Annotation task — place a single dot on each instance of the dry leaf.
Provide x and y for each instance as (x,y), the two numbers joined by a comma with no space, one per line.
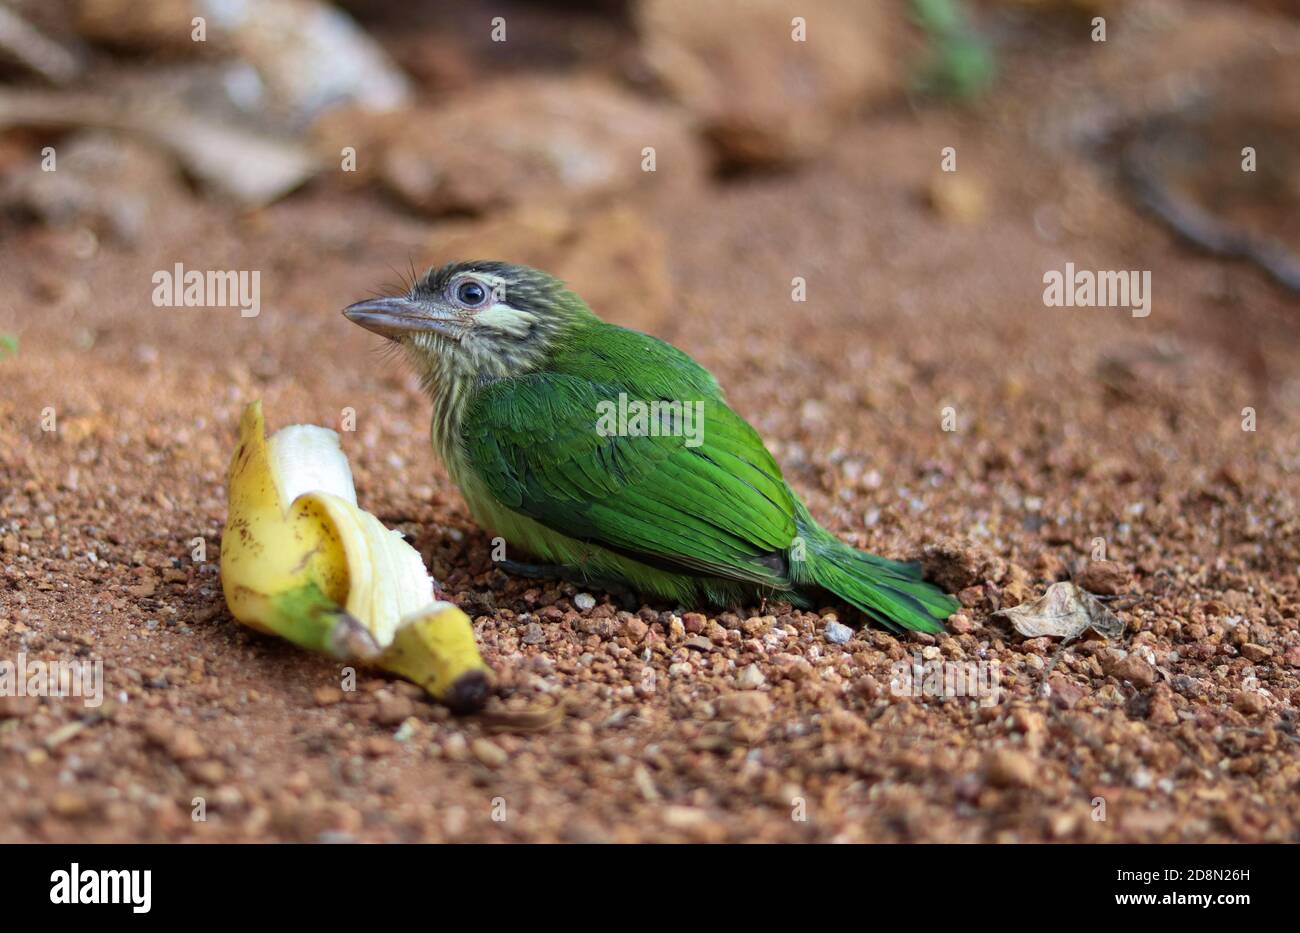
(1064,611)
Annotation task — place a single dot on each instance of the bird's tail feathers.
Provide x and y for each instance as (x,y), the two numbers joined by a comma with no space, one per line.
(891,592)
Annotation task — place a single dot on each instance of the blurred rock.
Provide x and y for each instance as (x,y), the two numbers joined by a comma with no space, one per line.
(104,181)
(1249,702)
(16,707)
(744,705)
(536,141)
(1129,667)
(838,633)
(1104,577)
(307,57)
(365,134)
(954,564)
(761,97)
(611,257)
(1005,767)
(1064,692)
(158,26)
(438,63)
(250,166)
(311,55)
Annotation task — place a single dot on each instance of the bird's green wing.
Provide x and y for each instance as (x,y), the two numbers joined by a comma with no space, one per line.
(703,496)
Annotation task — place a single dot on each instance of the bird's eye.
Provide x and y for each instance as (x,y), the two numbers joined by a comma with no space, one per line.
(471,294)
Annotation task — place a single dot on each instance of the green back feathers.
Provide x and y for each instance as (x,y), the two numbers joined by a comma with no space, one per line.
(718,507)
(701,497)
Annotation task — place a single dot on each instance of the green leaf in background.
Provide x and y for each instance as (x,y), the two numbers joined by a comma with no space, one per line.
(8,345)
(958,63)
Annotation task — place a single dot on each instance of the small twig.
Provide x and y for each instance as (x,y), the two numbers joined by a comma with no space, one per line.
(36,51)
(1203,229)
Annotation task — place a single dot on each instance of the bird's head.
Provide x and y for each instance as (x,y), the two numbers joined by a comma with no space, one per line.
(483,319)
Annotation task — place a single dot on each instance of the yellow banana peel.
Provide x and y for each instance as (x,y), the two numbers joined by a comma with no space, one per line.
(301,560)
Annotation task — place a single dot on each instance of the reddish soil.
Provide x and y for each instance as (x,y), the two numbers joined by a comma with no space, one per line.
(1072,424)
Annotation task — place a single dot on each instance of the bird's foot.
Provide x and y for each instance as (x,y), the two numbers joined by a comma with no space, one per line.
(574,575)
(532,571)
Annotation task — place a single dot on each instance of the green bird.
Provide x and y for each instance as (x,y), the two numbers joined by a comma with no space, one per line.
(613,457)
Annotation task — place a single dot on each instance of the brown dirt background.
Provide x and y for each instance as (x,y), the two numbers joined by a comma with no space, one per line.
(1073,424)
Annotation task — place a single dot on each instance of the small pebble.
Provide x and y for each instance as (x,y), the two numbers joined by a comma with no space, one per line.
(185,745)
(744,704)
(1008,768)
(750,678)
(327,696)
(488,753)
(837,633)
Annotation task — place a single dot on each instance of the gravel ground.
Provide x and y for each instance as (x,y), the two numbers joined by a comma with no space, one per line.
(1077,431)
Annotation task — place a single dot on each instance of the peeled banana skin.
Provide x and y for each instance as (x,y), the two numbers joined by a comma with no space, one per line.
(433,651)
(310,619)
(301,560)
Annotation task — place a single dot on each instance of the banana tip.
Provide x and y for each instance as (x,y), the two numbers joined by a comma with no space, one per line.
(469,693)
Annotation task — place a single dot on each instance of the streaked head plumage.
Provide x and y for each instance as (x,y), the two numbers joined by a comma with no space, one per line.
(486,317)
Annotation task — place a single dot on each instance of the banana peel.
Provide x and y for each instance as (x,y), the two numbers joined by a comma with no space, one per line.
(301,560)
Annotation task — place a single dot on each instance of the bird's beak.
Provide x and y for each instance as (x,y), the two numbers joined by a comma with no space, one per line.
(395,318)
